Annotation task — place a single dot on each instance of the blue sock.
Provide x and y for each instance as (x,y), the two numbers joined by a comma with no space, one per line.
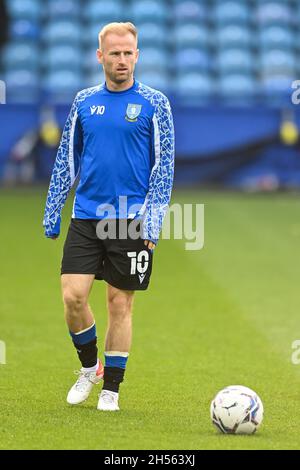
(114,370)
(116,359)
(85,343)
(85,336)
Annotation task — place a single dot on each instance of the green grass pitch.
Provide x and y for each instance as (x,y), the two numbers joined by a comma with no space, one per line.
(225,315)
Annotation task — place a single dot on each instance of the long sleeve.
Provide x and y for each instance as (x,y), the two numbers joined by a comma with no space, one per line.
(161,178)
(65,171)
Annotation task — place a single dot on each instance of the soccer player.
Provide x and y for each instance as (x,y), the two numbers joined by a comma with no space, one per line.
(119,142)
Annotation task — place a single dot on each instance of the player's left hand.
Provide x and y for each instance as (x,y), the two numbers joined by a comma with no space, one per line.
(149,244)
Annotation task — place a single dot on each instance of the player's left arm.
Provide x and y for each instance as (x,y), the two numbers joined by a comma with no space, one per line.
(162,175)
(65,172)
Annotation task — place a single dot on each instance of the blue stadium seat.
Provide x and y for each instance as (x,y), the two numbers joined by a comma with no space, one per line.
(190,11)
(234,36)
(277,84)
(297,16)
(22,86)
(285,2)
(238,88)
(94,79)
(21,56)
(152,34)
(25,9)
(273,37)
(62,85)
(90,34)
(104,11)
(277,62)
(25,30)
(157,80)
(153,59)
(63,32)
(191,35)
(148,11)
(232,12)
(193,60)
(63,56)
(194,85)
(58,9)
(89,61)
(277,90)
(274,13)
(235,61)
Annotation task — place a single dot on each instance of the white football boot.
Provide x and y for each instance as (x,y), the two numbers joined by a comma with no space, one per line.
(108,401)
(83,387)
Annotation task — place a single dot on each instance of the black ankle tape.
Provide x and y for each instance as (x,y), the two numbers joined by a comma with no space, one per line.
(113,376)
(87,353)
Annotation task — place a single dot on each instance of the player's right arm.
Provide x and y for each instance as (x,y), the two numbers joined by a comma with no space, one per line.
(65,171)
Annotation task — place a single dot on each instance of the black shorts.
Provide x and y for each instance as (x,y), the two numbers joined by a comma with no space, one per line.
(125,263)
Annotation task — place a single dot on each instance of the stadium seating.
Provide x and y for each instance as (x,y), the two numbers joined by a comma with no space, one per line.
(277,62)
(89,61)
(94,79)
(193,60)
(66,9)
(232,12)
(90,34)
(270,13)
(62,85)
(24,86)
(21,56)
(194,85)
(152,56)
(235,61)
(276,36)
(149,10)
(25,30)
(276,89)
(103,11)
(158,80)
(187,47)
(152,35)
(190,12)
(63,57)
(25,9)
(192,35)
(63,31)
(277,84)
(234,36)
(238,87)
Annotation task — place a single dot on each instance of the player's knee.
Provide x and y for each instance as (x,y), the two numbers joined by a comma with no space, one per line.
(74,302)
(120,305)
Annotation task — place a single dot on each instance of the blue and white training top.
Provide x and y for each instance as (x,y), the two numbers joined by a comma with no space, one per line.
(121,145)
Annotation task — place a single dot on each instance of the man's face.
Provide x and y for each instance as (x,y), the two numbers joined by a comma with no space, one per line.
(118,55)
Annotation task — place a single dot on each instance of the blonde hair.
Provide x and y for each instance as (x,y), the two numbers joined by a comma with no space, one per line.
(117,28)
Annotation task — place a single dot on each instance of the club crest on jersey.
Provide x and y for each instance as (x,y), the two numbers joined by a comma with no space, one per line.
(132,112)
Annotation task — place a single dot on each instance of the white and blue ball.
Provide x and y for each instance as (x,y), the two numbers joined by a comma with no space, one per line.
(237,410)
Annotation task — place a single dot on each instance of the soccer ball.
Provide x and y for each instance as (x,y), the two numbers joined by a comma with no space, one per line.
(237,410)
